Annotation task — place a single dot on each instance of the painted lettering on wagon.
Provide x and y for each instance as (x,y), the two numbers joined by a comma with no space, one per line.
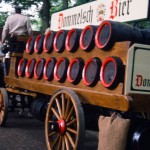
(74,19)
(105,10)
(120,8)
(142,82)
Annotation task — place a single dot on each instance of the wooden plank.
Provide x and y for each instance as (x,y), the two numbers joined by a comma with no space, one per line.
(18,91)
(113,101)
(16,54)
(22,38)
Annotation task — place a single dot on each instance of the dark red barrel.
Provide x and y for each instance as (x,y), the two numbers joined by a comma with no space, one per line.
(72,40)
(38,69)
(29,71)
(110,32)
(60,70)
(38,46)
(49,69)
(112,72)
(87,41)
(91,71)
(30,45)
(59,40)
(48,41)
(21,67)
(74,72)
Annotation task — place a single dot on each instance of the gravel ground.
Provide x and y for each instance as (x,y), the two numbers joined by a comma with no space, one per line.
(23,133)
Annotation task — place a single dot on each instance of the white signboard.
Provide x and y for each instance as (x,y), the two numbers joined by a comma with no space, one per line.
(95,12)
(138,70)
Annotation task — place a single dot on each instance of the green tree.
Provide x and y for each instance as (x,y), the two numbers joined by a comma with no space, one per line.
(44,8)
(44,14)
(79,2)
(3,16)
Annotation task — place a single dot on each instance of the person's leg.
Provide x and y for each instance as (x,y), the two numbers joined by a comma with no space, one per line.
(12,44)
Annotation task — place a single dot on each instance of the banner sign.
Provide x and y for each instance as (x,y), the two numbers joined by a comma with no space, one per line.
(138,70)
(93,13)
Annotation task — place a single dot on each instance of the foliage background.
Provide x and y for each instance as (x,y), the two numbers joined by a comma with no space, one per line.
(43,9)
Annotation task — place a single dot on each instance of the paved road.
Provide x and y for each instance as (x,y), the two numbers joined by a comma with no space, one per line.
(23,133)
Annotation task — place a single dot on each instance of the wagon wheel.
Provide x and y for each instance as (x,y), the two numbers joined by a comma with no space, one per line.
(3,106)
(64,124)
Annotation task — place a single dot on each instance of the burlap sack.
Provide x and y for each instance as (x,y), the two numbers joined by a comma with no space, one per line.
(113,133)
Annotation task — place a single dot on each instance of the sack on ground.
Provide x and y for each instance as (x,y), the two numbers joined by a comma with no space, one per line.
(113,133)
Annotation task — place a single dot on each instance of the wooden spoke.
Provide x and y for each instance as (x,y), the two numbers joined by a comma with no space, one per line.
(1,97)
(55,113)
(63,104)
(55,141)
(51,134)
(70,114)
(1,118)
(67,107)
(63,143)
(71,122)
(72,131)
(59,143)
(70,139)
(67,97)
(58,106)
(1,115)
(67,143)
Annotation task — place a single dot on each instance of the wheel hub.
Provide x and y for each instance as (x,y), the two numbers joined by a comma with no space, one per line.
(62,126)
(58,126)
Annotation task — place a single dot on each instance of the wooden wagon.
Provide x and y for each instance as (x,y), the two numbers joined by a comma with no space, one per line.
(74,76)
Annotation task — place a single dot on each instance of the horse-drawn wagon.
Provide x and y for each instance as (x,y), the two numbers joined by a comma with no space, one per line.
(71,77)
